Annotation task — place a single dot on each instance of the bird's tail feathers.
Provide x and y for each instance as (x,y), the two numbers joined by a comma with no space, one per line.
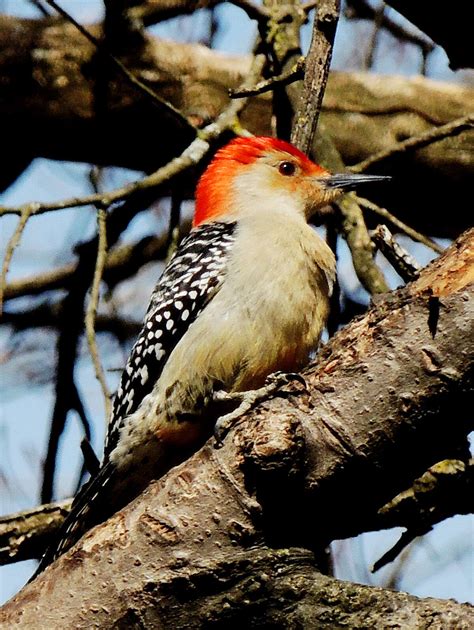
(87,510)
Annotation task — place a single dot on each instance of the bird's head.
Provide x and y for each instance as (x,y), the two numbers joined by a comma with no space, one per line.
(259,172)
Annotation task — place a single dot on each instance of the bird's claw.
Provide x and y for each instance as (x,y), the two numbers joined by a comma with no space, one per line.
(278,379)
(247,399)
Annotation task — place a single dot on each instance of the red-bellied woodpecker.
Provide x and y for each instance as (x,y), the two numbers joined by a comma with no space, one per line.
(245,295)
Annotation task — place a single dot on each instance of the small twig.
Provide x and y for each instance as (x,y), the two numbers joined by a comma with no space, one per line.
(12,244)
(285,78)
(444,490)
(281,43)
(389,556)
(334,318)
(26,534)
(361,9)
(91,461)
(40,7)
(400,225)
(70,329)
(92,308)
(316,74)
(173,229)
(129,76)
(403,263)
(254,11)
(415,142)
(309,6)
(47,315)
(355,232)
(378,21)
(191,156)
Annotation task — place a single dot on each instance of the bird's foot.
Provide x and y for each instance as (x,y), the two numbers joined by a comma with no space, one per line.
(246,400)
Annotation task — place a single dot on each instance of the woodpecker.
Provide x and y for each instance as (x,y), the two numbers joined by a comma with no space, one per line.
(245,295)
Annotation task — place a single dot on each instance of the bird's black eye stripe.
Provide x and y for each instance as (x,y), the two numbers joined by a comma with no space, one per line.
(287,168)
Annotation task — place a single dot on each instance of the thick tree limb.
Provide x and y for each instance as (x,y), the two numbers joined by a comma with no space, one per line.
(372,418)
(47,96)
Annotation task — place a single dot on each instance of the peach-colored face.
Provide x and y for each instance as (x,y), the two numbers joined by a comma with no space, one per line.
(260,169)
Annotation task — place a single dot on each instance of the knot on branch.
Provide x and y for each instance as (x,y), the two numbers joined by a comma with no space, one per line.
(273,466)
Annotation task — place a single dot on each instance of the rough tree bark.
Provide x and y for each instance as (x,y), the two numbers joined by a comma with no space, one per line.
(214,540)
(50,74)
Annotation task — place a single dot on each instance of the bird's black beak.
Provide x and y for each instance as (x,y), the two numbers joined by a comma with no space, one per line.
(349,181)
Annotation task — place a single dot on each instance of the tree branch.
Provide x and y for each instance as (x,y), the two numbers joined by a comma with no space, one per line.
(48,92)
(278,472)
(25,535)
(316,74)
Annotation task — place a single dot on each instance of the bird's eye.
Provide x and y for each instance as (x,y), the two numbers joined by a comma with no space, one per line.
(287,168)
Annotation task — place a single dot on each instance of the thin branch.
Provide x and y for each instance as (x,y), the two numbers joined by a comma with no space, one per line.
(281,43)
(47,315)
(361,9)
(191,156)
(403,263)
(316,74)
(374,40)
(400,225)
(129,76)
(254,11)
(26,534)
(71,327)
(416,142)
(445,489)
(91,311)
(38,5)
(11,246)
(285,78)
(355,232)
(309,6)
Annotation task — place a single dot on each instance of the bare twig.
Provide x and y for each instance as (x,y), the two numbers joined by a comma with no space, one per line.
(400,225)
(129,76)
(285,78)
(316,74)
(173,238)
(254,11)
(191,156)
(40,7)
(71,325)
(378,21)
(355,232)
(91,311)
(281,42)
(26,534)
(47,315)
(444,490)
(416,142)
(12,244)
(403,263)
(361,9)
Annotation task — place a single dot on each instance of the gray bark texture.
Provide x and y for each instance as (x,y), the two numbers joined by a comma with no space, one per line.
(220,540)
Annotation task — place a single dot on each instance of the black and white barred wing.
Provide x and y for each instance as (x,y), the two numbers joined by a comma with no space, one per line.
(190,280)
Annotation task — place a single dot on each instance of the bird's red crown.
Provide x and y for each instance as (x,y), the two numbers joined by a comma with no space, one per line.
(212,192)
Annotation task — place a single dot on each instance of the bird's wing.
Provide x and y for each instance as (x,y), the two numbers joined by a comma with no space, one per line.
(191,279)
